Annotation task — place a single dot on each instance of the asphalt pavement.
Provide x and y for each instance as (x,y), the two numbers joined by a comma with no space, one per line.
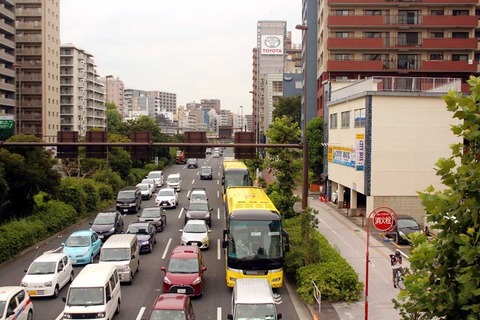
(349,237)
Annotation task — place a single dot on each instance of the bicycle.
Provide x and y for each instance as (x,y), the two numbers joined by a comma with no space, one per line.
(399,279)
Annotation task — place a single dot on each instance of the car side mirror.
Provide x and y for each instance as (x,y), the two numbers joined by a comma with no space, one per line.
(209,230)
(138,215)
(25,270)
(204,269)
(133,257)
(163,269)
(109,297)
(279,316)
(181,230)
(229,317)
(64,299)
(90,223)
(224,244)
(211,209)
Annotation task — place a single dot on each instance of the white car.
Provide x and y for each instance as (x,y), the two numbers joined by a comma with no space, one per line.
(15,303)
(174,181)
(146,190)
(151,182)
(196,233)
(167,198)
(157,176)
(48,274)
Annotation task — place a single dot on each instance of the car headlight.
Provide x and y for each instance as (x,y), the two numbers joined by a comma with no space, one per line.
(48,284)
(166,280)
(197,281)
(188,215)
(207,215)
(144,242)
(24,284)
(111,230)
(85,251)
(67,316)
(205,240)
(184,239)
(402,234)
(276,279)
(132,204)
(125,268)
(172,200)
(100,315)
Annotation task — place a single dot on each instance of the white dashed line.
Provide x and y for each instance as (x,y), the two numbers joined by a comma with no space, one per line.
(140,313)
(219,313)
(219,249)
(180,214)
(166,248)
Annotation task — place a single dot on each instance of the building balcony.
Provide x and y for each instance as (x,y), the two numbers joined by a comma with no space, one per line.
(7,56)
(7,72)
(450,21)
(7,13)
(401,66)
(7,29)
(29,1)
(7,86)
(29,38)
(355,43)
(32,64)
(7,102)
(29,52)
(28,26)
(29,77)
(401,22)
(28,12)
(449,43)
(25,91)
(401,43)
(399,2)
(355,21)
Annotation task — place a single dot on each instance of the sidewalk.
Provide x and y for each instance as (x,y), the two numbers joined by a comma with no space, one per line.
(349,237)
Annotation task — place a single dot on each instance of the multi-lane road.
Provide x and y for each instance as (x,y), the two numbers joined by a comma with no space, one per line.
(138,298)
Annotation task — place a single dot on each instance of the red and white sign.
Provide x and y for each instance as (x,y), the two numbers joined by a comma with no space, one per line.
(383,220)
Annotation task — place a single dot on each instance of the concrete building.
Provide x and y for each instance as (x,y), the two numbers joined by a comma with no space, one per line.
(164,102)
(429,38)
(385,135)
(82,93)
(38,69)
(209,104)
(114,92)
(7,58)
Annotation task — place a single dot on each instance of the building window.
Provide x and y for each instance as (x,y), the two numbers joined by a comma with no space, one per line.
(460,35)
(371,56)
(333,121)
(459,57)
(342,12)
(436,34)
(373,12)
(342,34)
(460,12)
(372,34)
(346,119)
(342,56)
(408,17)
(277,86)
(436,12)
(359,115)
(436,56)
(408,38)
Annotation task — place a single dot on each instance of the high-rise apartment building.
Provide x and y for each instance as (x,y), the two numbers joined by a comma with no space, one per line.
(38,69)
(82,93)
(164,102)
(114,92)
(208,104)
(7,58)
(409,38)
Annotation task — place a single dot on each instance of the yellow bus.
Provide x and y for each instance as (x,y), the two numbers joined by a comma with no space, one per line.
(254,241)
(234,173)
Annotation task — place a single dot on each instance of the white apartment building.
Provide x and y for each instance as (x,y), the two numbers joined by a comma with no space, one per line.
(114,92)
(385,135)
(82,94)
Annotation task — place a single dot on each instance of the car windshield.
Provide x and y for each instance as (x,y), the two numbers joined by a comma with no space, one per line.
(407,223)
(167,315)
(2,307)
(104,220)
(114,254)
(183,266)
(255,312)
(144,186)
(42,268)
(198,196)
(195,228)
(137,230)
(206,170)
(192,161)
(166,193)
(78,241)
(154,175)
(173,180)
(85,296)
(151,213)
(148,181)
(198,207)
(126,195)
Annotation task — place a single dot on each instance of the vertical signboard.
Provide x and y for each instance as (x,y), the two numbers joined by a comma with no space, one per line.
(360,151)
(272,45)
(7,125)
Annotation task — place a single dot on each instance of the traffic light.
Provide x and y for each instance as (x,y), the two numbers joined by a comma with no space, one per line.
(141,152)
(245,152)
(195,137)
(99,152)
(64,152)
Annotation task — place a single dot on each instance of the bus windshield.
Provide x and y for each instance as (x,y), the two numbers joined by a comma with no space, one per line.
(255,239)
(233,179)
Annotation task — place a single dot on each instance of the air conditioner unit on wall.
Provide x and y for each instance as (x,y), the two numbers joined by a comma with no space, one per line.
(470,61)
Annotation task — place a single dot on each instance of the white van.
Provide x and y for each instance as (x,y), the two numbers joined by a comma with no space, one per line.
(157,176)
(122,251)
(95,291)
(174,181)
(252,298)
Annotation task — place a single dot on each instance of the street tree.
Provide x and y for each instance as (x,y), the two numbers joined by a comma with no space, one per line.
(114,120)
(315,147)
(288,106)
(285,163)
(444,282)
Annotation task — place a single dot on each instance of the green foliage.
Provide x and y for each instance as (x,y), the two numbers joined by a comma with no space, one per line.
(114,120)
(315,148)
(282,203)
(55,215)
(109,177)
(312,258)
(92,197)
(139,174)
(72,193)
(444,280)
(18,235)
(288,106)
(120,161)
(105,191)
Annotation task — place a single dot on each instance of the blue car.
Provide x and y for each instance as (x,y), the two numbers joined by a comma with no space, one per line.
(82,246)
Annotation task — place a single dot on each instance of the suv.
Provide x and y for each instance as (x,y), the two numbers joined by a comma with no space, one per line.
(129,199)
(199,210)
(48,274)
(198,194)
(184,273)
(167,198)
(174,181)
(192,163)
(155,215)
(172,306)
(206,173)
(16,303)
(157,176)
(107,223)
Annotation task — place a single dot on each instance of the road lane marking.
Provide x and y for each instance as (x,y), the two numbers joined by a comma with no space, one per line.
(180,214)
(219,313)
(60,317)
(218,194)
(166,248)
(219,250)
(140,313)
(188,193)
(218,213)
(193,181)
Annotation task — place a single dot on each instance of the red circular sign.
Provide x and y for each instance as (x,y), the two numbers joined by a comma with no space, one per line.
(383,220)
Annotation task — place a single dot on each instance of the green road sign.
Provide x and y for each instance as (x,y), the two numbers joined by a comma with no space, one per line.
(6,128)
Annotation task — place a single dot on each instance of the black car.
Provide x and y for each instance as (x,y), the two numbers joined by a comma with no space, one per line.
(404,225)
(206,173)
(199,210)
(107,223)
(146,234)
(192,163)
(129,199)
(155,215)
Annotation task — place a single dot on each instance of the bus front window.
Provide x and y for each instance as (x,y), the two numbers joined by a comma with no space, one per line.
(255,239)
(236,179)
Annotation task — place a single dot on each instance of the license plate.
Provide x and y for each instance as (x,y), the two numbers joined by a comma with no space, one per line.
(194,244)
(74,261)
(125,210)
(32,292)
(181,290)
(100,236)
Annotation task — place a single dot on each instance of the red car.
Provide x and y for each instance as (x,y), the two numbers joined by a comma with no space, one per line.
(185,270)
(169,306)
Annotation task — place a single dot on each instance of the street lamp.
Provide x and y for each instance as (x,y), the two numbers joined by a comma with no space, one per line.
(241,120)
(304,28)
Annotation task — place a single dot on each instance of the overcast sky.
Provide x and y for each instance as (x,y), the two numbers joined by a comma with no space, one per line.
(198,49)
